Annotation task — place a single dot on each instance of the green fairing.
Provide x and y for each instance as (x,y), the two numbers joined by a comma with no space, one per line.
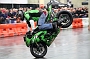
(36,38)
(33,11)
(52,37)
(27,41)
(49,12)
(27,16)
(50,7)
(40,36)
(35,18)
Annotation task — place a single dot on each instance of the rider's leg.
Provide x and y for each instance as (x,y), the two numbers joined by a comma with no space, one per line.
(41,23)
(55,26)
(46,26)
(42,19)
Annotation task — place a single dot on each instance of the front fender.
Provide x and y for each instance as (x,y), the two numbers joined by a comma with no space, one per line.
(40,36)
(35,38)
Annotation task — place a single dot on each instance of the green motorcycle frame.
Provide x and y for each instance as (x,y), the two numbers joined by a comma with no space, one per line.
(39,40)
(37,37)
(45,37)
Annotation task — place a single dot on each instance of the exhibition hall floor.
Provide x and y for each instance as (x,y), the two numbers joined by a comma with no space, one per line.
(69,44)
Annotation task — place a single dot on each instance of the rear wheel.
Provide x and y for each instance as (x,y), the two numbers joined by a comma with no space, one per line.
(38,50)
(65,19)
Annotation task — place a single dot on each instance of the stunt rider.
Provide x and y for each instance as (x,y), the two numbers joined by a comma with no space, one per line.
(43,25)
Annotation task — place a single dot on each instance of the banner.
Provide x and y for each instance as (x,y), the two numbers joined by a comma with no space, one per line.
(14,1)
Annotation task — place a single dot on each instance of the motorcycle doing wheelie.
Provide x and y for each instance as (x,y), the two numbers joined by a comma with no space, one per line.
(39,40)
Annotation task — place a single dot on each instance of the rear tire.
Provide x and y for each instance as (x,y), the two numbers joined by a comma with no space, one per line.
(67,17)
(38,50)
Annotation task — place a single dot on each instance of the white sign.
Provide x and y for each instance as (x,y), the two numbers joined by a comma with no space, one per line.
(14,1)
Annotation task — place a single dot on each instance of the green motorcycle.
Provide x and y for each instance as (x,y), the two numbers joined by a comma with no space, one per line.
(39,40)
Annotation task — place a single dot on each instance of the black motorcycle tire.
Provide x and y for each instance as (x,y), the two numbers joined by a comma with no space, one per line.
(70,16)
(36,55)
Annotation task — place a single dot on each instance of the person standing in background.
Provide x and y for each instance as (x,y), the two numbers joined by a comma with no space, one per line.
(11,16)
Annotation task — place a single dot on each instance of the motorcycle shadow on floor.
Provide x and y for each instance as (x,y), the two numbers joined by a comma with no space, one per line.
(40,58)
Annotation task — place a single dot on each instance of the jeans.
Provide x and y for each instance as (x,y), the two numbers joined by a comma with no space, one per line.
(42,24)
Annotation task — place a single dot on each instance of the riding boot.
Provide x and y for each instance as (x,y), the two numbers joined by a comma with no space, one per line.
(59,23)
(55,26)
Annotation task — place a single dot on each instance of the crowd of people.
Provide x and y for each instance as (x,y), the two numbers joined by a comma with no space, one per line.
(81,12)
(9,15)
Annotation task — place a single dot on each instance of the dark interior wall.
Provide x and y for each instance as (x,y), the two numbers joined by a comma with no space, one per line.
(9,6)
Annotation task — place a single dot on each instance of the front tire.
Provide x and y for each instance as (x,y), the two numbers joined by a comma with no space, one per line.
(38,50)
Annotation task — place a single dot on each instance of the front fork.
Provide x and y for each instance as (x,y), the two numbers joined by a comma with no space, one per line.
(27,39)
